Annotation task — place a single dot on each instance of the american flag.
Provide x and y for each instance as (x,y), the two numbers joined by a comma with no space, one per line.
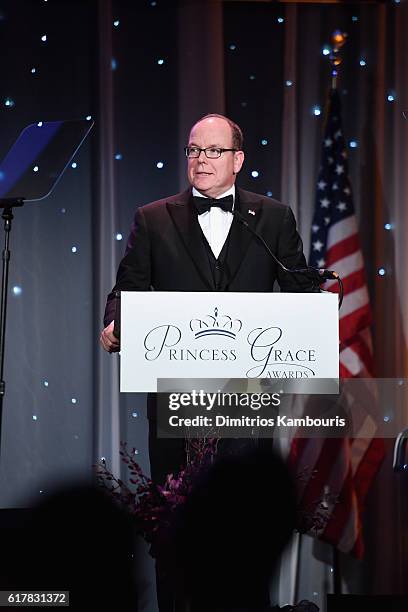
(343,468)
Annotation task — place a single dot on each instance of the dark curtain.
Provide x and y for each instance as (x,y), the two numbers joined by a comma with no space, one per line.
(145,71)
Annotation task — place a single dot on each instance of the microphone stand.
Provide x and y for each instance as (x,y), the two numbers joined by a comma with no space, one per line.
(7,205)
(316,275)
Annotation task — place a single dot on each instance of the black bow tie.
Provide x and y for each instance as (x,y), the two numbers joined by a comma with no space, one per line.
(203,205)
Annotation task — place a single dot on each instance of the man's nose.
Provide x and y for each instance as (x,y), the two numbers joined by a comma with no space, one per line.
(202,156)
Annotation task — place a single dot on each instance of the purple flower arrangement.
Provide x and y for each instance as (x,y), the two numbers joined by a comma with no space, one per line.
(153,505)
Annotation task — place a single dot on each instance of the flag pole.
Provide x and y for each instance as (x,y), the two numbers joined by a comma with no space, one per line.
(338,40)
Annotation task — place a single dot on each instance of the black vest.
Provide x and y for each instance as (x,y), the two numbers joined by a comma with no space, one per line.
(218,266)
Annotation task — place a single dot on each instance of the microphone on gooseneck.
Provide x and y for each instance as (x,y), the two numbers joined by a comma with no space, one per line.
(316,275)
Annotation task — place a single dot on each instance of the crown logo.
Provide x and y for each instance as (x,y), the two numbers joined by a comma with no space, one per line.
(215,325)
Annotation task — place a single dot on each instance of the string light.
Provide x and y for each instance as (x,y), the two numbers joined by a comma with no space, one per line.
(391,97)
(288,83)
(363,62)
(160,165)
(353,144)
(114,63)
(388,226)
(17,290)
(381,272)
(35,169)
(74,165)
(9,102)
(326,50)
(44,38)
(254,173)
(316,110)
(118,156)
(232,47)
(74,249)
(45,383)
(264,141)
(118,237)
(160,62)
(116,23)
(135,415)
(73,400)
(269,194)
(281,19)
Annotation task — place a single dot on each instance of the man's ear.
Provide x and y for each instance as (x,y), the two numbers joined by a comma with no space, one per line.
(239,157)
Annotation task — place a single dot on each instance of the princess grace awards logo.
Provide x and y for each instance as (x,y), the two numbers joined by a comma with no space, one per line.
(262,350)
(215,325)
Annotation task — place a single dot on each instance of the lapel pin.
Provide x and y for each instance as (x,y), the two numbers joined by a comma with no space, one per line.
(251,212)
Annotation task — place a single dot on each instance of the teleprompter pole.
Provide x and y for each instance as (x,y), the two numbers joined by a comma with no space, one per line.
(8,216)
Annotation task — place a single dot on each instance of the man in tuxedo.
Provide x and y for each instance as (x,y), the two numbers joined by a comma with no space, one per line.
(195,241)
(199,240)
(192,242)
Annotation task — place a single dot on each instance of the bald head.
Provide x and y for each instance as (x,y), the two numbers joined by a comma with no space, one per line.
(212,177)
(236,132)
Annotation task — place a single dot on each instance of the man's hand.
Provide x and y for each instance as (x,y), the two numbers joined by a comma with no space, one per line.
(109,342)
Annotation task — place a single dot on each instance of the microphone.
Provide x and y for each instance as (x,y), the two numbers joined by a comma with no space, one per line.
(399,462)
(316,275)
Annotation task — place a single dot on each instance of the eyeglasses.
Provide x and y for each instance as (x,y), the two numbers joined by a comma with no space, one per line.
(210,152)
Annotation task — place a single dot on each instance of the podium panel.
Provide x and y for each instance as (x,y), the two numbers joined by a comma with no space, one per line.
(227,336)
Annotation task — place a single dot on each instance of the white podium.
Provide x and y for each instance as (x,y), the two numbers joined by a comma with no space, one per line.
(253,336)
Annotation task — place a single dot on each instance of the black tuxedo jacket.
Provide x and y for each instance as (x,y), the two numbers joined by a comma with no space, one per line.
(166,250)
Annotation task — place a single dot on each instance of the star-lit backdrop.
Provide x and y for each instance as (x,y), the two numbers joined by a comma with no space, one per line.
(49,71)
(273,59)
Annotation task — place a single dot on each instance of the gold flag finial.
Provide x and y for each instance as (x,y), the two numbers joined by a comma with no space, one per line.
(338,40)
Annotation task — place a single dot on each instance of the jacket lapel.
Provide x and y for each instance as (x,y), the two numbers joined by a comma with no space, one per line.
(240,236)
(185,220)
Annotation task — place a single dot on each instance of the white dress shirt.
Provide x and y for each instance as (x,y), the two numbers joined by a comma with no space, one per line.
(216,223)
